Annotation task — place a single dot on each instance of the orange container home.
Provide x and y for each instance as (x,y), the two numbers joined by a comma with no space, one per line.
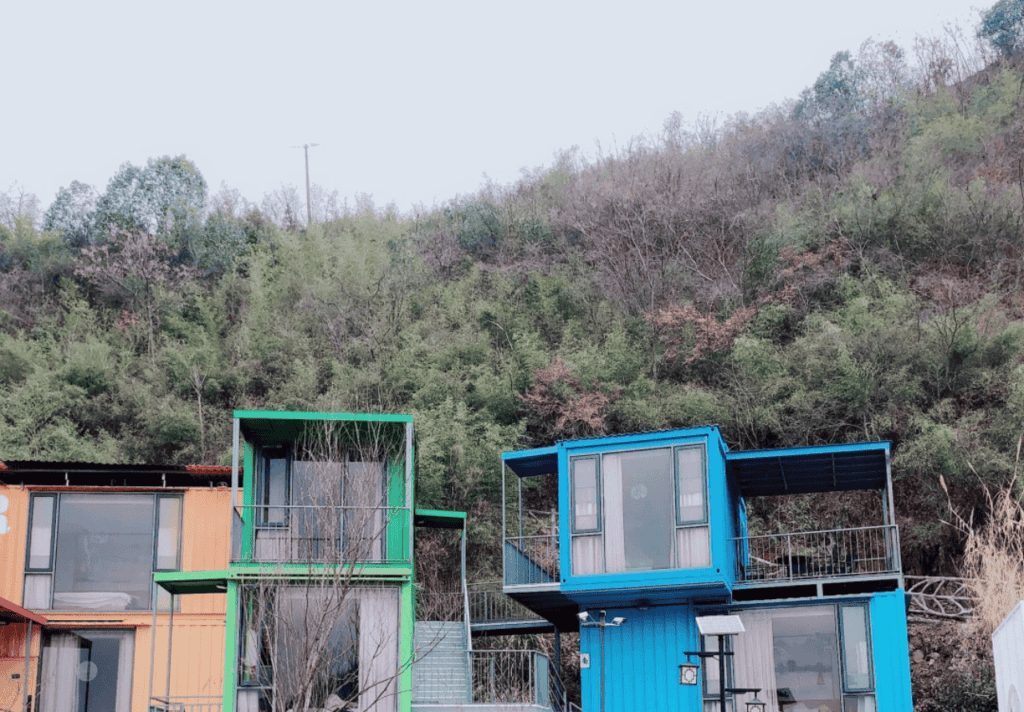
(79,544)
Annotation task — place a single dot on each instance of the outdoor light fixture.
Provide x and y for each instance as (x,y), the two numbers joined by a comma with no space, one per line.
(600,623)
(755,705)
(688,673)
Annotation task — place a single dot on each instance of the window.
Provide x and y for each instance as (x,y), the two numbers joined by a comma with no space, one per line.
(99,551)
(813,657)
(640,510)
(334,645)
(319,510)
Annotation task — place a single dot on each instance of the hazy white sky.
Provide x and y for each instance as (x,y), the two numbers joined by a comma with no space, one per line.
(412,102)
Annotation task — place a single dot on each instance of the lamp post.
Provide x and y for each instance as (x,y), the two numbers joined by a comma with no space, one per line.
(720,626)
(601,623)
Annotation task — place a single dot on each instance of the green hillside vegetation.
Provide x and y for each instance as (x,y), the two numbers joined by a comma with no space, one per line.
(842,267)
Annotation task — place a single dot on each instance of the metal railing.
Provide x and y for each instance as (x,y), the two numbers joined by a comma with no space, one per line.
(204,703)
(834,553)
(519,677)
(487,604)
(317,534)
(531,560)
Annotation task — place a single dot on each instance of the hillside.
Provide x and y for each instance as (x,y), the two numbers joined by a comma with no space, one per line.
(843,267)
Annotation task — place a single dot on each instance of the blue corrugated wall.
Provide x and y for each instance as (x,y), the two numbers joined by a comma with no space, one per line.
(891,651)
(642,661)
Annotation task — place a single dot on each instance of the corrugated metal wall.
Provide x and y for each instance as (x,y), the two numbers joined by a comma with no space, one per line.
(206,542)
(891,651)
(641,659)
(12,543)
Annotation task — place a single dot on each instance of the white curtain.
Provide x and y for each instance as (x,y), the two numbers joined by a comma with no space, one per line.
(614,531)
(125,666)
(364,516)
(378,649)
(754,659)
(693,547)
(59,683)
(587,555)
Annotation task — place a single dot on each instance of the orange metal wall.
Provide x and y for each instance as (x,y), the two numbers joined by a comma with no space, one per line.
(197,645)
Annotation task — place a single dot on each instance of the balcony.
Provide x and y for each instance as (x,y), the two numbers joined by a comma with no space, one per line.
(816,556)
(318,534)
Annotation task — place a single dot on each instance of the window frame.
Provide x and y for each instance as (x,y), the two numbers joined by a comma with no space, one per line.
(598,497)
(842,648)
(155,598)
(262,503)
(705,519)
(597,456)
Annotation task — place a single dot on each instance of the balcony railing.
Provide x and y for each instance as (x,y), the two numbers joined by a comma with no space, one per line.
(487,604)
(206,703)
(515,677)
(318,534)
(531,560)
(834,553)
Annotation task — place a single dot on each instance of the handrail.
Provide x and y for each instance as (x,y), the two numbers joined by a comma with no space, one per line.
(465,614)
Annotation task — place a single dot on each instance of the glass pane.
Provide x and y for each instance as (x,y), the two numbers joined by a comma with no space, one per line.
(276,490)
(806,657)
(693,548)
(37,591)
(584,495)
(41,537)
(856,658)
(168,534)
(690,469)
(711,677)
(648,519)
(104,552)
(859,703)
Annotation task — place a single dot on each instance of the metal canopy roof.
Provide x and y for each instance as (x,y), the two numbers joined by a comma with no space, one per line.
(530,463)
(835,468)
(11,612)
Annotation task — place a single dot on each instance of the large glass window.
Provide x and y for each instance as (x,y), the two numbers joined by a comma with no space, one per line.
(640,510)
(318,646)
(319,510)
(99,551)
(809,657)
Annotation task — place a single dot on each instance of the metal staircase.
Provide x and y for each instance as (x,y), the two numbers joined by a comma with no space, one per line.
(440,672)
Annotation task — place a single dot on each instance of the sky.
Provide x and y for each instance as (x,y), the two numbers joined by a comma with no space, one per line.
(414,103)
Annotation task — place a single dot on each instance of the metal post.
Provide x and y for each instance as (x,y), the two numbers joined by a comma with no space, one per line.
(602,662)
(409,486)
(504,525)
(152,653)
(28,653)
(170,646)
(721,671)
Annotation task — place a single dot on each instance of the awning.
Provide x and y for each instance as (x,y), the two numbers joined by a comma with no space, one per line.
(832,468)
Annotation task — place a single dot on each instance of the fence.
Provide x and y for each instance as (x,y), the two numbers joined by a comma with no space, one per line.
(531,560)
(319,534)
(515,677)
(834,553)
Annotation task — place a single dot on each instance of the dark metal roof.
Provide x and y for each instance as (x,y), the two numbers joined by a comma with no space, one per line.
(530,463)
(832,468)
(95,474)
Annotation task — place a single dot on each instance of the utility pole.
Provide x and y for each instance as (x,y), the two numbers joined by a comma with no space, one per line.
(309,203)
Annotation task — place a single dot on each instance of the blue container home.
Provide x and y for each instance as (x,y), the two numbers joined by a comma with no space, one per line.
(652,528)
